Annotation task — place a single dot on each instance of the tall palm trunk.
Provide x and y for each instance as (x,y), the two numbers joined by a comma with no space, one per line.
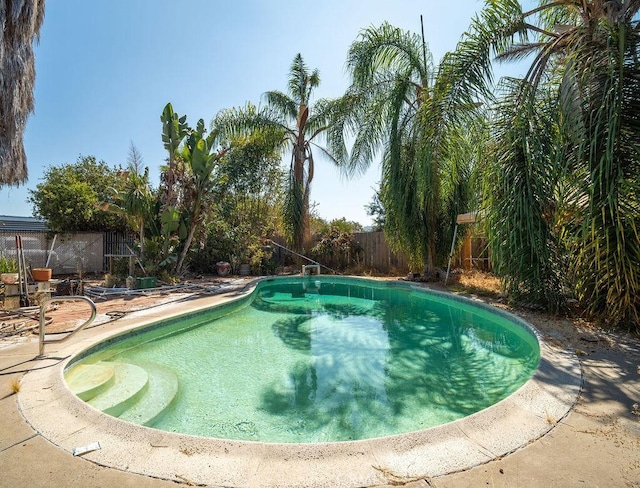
(297,207)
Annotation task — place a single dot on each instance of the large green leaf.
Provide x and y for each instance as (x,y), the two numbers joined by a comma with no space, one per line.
(174,128)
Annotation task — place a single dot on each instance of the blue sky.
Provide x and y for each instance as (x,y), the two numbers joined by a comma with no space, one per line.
(106,68)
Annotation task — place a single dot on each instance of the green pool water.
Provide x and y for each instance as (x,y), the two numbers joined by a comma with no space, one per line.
(331,359)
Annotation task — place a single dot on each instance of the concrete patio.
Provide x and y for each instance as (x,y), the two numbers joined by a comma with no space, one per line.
(596,444)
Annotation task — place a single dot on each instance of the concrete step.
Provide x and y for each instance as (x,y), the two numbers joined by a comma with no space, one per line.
(131,383)
(162,389)
(89,380)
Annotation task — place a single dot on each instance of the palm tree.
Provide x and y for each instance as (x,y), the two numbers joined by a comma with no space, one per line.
(521,177)
(585,53)
(400,104)
(299,124)
(21,23)
(135,200)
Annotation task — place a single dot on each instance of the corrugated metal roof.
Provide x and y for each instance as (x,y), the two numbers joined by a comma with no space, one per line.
(11,223)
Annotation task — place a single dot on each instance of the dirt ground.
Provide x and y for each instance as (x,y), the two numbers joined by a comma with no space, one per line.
(596,445)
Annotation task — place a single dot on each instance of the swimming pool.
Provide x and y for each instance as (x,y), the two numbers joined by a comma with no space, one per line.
(67,422)
(308,360)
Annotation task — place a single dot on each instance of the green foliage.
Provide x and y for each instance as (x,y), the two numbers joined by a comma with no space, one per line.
(322,227)
(236,245)
(375,209)
(187,183)
(8,264)
(251,185)
(120,271)
(71,196)
(221,244)
(170,224)
(520,190)
(399,104)
(345,225)
(603,120)
(564,188)
(337,248)
(159,254)
(174,129)
(135,200)
(249,196)
(294,124)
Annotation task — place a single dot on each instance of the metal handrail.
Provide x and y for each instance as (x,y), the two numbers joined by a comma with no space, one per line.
(43,309)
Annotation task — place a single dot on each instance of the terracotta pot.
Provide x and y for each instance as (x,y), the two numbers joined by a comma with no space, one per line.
(9,278)
(223,268)
(41,274)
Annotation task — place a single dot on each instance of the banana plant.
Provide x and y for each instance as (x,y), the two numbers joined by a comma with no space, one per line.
(174,130)
(196,149)
(170,222)
(198,153)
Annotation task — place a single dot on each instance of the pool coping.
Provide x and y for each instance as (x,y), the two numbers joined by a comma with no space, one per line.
(532,411)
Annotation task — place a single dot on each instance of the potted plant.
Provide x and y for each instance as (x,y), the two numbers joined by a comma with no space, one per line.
(8,270)
(223,268)
(41,274)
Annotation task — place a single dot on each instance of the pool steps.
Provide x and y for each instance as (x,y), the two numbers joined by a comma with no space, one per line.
(137,393)
(90,380)
(129,386)
(163,388)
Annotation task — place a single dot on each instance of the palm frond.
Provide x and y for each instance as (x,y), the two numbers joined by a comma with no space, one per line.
(607,249)
(282,104)
(237,122)
(300,82)
(21,22)
(520,189)
(387,48)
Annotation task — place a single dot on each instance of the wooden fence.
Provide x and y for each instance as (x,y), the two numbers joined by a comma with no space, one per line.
(472,254)
(89,252)
(377,255)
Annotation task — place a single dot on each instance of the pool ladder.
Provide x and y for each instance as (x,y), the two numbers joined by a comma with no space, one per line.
(43,309)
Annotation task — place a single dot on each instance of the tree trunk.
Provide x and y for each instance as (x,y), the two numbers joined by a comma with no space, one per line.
(141,234)
(192,230)
(301,223)
(428,265)
(185,249)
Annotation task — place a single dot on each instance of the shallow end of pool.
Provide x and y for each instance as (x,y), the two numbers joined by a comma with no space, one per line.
(68,422)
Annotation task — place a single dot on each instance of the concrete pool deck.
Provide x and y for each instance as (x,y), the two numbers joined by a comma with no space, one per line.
(44,422)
